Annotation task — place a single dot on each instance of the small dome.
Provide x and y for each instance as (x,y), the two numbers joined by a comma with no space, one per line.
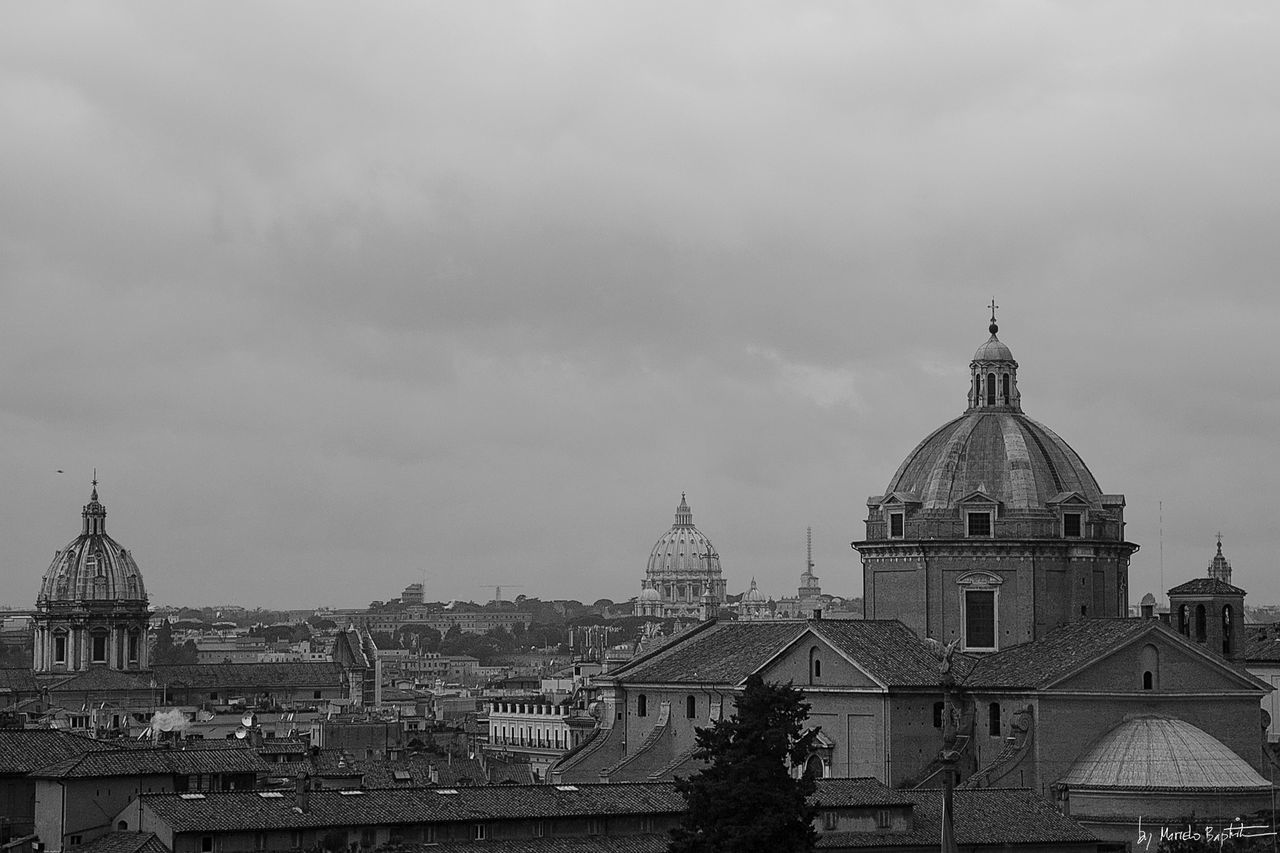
(93,566)
(753,594)
(1161,753)
(993,350)
(649,593)
(1148,600)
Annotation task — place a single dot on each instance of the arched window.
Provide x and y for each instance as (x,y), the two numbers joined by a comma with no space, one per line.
(993,719)
(1201,623)
(642,705)
(1184,623)
(690,707)
(1005,388)
(1227,638)
(1150,664)
(991,389)
(814,768)
(815,665)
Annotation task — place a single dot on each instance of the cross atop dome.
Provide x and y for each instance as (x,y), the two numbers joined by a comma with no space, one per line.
(993,327)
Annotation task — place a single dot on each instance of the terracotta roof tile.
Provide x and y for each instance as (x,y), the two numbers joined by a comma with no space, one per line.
(165,762)
(24,750)
(234,675)
(1206,586)
(1058,653)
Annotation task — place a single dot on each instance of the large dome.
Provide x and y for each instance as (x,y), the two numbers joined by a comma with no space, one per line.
(683,549)
(1002,453)
(93,566)
(1148,753)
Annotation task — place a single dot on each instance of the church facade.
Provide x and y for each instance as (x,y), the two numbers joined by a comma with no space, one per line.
(993,531)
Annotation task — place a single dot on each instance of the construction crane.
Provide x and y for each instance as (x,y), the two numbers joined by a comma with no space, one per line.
(497,588)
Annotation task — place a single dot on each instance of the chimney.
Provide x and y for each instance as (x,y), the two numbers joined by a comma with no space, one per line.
(302,793)
(434,773)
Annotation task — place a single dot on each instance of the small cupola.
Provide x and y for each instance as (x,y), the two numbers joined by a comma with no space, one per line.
(94,514)
(994,374)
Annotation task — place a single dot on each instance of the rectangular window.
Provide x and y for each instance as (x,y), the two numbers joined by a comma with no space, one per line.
(884,819)
(979,524)
(60,649)
(481,832)
(642,705)
(539,829)
(895,525)
(133,648)
(99,648)
(206,844)
(830,821)
(980,619)
(1071,524)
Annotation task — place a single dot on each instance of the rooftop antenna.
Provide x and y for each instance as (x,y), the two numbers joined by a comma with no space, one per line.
(808,562)
(1162,589)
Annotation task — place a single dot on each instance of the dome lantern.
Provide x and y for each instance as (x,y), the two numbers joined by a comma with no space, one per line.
(994,374)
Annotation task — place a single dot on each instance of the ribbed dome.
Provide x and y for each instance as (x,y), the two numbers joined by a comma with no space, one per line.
(754,593)
(93,566)
(993,350)
(683,549)
(1162,753)
(648,593)
(1002,453)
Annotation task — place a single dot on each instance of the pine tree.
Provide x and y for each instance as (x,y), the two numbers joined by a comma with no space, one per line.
(747,798)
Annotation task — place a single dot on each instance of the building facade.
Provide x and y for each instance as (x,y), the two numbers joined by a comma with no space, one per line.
(993,531)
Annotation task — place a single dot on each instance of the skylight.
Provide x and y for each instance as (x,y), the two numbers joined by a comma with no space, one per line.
(351,793)
(448,791)
(192,796)
(270,795)
(566,787)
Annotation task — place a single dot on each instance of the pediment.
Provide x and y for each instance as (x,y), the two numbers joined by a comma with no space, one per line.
(1073,498)
(979,579)
(901,498)
(838,669)
(978,496)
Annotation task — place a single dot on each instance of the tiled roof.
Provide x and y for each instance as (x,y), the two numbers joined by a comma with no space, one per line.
(1061,651)
(989,817)
(1206,586)
(727,652)
(163,762)
(100,678)
(24,750)
(723,653)
(1261,643)
(123,842)
(652,843)
(858,791)
(19,679)
(249,810)
(234,675)
(889,650)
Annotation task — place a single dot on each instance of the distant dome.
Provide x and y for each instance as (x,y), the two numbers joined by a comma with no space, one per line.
(753,594)
(683,549)
(1161,753)
(93,566)
(1148,600)
(649,593)
(1003,453)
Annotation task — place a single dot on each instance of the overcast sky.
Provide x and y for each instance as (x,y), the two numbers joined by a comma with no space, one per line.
(334,296)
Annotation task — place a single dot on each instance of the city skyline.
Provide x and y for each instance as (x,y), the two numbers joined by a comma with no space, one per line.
(332,300)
